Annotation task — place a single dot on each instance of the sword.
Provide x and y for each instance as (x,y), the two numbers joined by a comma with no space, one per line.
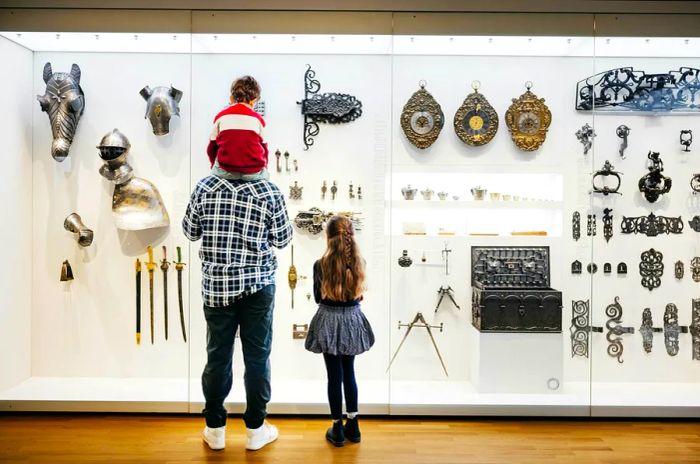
(164,265)
(138,301)
(151,266)
(179,266)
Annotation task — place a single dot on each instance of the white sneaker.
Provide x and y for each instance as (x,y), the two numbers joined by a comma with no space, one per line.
(263,435)
(215,437)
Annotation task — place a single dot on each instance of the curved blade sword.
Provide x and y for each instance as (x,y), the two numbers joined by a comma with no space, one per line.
(164,265)
(179,266)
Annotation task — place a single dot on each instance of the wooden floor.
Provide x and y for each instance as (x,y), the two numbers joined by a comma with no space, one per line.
(176,439)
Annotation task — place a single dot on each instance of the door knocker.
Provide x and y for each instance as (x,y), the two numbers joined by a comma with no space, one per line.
(585,135)
(686,139)
(654,184)
(422,118)
(528,120)
(651,268)
(476,122)
(608,170)
(622,132)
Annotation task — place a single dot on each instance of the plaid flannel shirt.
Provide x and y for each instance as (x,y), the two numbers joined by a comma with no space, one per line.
(239,222)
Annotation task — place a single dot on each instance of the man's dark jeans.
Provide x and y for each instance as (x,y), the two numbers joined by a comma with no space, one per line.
(253,315)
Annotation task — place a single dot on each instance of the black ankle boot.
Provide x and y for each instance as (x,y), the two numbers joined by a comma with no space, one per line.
(335,434)
(352,430)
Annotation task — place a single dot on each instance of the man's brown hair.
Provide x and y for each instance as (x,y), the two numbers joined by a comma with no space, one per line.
(245,89)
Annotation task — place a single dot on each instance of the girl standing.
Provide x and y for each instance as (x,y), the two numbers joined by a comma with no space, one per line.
(339,330)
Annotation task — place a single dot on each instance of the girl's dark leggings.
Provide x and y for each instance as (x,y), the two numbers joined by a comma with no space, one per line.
(341,376)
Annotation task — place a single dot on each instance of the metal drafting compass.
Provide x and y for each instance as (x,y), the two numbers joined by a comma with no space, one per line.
(419,321)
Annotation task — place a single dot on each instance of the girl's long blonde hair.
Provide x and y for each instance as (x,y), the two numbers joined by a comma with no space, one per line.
(342,266)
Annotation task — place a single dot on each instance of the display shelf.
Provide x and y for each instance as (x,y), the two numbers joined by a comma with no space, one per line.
(473,204)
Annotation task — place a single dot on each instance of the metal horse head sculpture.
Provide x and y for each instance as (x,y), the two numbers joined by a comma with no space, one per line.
(64,101)
(161,105)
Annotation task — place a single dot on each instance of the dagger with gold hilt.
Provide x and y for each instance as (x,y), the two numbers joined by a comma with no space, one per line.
(164,265)
(179,266)
(151,267)
(138,301)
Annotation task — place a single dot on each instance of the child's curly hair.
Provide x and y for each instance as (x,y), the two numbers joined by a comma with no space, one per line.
(245,89)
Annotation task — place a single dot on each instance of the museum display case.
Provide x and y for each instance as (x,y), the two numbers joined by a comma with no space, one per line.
(522,194)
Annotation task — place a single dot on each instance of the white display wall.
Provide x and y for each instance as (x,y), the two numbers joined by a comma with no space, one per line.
(74,343)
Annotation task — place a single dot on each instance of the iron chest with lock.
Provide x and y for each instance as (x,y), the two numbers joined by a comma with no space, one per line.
(511,290)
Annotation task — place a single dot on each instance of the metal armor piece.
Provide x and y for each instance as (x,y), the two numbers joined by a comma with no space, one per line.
(66,272)
(651,268)
(585,135)
(73,223)
(654,184)
(64,102)
(622,132)
(136,203)
(476,122)
(648,330)
(405,260)
(695,329)
(679,270)
(419,321)
(651,225)
(615,330)
(627,89)
(694,223)
(162,103)
(422,118)
(576,225)
(672,330)
(580,328)
(607,224)
(695,268)
(608,170)
(331,108)
(686,139)
(528,120)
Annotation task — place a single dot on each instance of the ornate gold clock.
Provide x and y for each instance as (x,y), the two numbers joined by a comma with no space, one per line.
(528,119)
(476,122)
(422,118)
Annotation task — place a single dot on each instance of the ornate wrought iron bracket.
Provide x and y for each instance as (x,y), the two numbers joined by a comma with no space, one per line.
(651,225)
(654,184)
(585,135)
(672,330)
(576,225)
(330,108)
(648,330)
(694,329)
(651,268)
(591,226)
(615,330)
(607,224)
(580,328)
(629,90)
(608,170)
(622,132)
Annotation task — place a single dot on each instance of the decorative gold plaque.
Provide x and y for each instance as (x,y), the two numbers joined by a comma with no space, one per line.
(528,119)
(476,122)
(422,118)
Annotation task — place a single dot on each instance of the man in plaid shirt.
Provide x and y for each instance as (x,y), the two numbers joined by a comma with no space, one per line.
(239,222)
